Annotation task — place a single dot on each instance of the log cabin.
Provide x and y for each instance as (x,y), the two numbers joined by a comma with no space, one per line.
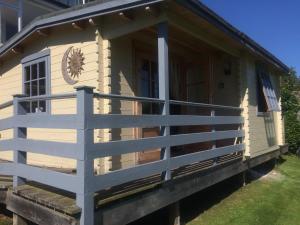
(125,107)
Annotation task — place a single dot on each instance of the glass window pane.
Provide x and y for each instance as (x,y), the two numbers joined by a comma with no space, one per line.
(27,89)
(34,88)
(42,106)
(27,107)
(154,78)
(27,73)
(34,71)
(42,87)
(34,105)
(145,79)
(42,69)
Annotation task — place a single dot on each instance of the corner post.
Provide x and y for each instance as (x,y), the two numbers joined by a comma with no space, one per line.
(85,164)
(163,74)
(19,132)
(19,156)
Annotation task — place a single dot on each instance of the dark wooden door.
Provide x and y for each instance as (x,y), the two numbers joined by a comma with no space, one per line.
(147,82)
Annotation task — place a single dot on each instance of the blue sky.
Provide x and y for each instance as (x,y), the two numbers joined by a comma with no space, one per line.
(274,24)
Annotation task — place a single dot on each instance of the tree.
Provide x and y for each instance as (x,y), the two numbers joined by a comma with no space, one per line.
(290,92)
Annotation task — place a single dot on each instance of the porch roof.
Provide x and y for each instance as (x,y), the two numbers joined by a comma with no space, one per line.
(102,7)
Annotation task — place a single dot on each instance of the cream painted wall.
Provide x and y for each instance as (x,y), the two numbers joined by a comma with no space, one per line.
(227,95)
(263,133)
(122,83)
(11,80)
(109,66)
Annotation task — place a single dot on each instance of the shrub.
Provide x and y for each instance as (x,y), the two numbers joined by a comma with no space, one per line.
(290,90)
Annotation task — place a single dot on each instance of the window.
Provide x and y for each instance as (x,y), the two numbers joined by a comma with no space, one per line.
(266,97)
(36,83)
(149,85)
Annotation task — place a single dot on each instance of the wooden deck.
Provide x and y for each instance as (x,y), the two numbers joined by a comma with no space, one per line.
(65,203)
(5,184)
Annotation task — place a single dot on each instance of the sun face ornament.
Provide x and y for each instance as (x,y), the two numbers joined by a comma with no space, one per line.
(72,65)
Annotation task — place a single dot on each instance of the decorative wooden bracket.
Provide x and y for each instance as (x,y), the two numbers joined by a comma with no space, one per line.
(126,16)
(79,25)
(44,32)
(17,50)
(92,22)
(154,11)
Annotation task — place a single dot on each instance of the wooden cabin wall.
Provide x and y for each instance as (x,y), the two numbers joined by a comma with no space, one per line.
(225,87)
(58,41)
(122,81)
(263,133)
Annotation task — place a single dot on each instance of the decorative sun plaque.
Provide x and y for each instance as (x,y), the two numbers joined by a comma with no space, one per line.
(72,65)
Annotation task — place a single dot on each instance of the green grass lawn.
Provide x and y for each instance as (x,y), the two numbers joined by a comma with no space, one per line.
(5,220)
(271,200)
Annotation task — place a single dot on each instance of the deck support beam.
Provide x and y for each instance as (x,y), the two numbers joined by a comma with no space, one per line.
(163,76)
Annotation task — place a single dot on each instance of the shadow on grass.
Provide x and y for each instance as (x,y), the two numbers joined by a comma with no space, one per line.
(194,205)
(5,216)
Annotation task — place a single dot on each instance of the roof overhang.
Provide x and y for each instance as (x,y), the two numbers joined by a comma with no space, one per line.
(104,7)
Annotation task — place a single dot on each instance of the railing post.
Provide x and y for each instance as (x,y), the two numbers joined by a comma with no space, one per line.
(163,73)
(19,132)
(213,129)
(85,165)
(19,156)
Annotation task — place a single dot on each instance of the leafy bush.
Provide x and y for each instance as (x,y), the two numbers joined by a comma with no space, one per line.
(290,92)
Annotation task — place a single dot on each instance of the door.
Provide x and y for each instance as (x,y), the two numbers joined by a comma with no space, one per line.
(197,90)
(147,86)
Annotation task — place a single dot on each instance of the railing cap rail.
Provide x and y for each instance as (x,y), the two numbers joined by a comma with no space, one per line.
(48,97)
(19,96)
(84,87)
(6,104)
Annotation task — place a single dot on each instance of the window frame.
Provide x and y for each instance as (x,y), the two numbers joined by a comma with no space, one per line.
(260,95)
(260,98)
(43,56)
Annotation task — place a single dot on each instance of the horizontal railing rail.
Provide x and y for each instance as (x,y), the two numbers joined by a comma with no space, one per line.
(128,98)
(6,104)
(84,183)
(125,121)
(49,97)
(196,104)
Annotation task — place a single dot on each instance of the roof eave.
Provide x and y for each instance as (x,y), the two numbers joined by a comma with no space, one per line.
(72,16)
(200,9)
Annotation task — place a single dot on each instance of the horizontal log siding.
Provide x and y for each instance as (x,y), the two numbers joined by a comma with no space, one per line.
(264,131)
(11,82)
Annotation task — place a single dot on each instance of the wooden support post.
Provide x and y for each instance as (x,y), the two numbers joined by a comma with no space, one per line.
(174,214)
(19,157)
(163,73)
(85,166)
(18,220)
(244,178)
